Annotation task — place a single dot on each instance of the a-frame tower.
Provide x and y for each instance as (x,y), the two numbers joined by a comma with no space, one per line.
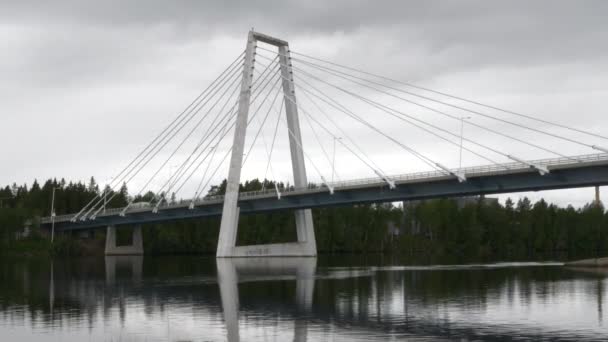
(306,244)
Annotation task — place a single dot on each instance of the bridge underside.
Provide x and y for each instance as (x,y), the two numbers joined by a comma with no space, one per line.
(581,176)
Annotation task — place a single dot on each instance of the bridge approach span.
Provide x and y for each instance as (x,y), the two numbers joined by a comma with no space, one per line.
(573,172)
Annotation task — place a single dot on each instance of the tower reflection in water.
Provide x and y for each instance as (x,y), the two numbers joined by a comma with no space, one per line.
(232,271)
(122,283)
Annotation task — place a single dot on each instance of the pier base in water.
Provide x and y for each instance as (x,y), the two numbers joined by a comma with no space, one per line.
(136,247)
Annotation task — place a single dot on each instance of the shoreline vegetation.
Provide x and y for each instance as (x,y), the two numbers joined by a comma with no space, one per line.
(473,227)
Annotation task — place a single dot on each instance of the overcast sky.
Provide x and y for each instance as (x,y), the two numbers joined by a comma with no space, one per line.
(86,85)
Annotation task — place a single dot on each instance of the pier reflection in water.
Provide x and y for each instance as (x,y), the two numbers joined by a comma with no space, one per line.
(295,299)
(231,271)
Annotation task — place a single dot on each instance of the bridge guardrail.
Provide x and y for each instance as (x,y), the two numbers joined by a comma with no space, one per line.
(474,170)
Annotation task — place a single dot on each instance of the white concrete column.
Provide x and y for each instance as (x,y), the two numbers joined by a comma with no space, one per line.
(229,224)
(304,223)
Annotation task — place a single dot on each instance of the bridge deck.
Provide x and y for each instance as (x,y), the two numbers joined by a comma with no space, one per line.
(572,172)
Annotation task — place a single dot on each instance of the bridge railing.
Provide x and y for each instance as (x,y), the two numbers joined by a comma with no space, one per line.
(416,176)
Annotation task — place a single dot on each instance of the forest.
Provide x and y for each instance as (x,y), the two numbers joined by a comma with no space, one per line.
(519,229)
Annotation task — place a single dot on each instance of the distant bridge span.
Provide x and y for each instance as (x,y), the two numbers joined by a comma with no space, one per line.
(589,170)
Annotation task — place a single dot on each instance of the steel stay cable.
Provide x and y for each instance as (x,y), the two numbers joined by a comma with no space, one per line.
(156,195)
(262,75)
(269,164)
(213,174)
(215,148)
(306,114)
(344,134)
(207,133)
(420,156)
(319,140)
(219,136)
(179,176)
(440,136)
(256,111)
(262,78)
(223,129)
(329,186)
(331,189)
(274,137)
(404,114)
(172,133)
(446,139)
(448,104)
(376,168)
(383,108)
(436,127)
(198,99)
(197,107)
(176,175)
(222,161)
(278,91)
(293,135)
(212,126)
(439,93)
(199,189)
(378,105)
(235,90)
(425,159)
(221,124)
(220,164)
(111,187)
(448,115)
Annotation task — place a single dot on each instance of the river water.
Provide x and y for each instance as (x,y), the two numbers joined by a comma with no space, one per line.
(297,299)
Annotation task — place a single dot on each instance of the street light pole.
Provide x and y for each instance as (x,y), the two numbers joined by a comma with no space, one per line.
(53,216)
(333,162)
(462,118)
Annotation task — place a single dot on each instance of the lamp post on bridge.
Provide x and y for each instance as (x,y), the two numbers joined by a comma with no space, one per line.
(333,162)
(53,215)
(462,118)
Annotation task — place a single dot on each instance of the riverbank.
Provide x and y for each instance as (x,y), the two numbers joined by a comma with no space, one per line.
(42,247)
(593,262)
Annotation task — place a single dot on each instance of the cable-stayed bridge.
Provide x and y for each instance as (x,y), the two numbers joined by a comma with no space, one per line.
(377,123)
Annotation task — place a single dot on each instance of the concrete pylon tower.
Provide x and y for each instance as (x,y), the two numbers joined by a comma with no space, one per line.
(306,244)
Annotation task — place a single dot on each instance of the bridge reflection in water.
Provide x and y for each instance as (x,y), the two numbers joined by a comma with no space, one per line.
(231,271)
(192,298)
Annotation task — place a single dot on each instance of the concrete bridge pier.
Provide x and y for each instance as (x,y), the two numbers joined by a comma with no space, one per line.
(136,247)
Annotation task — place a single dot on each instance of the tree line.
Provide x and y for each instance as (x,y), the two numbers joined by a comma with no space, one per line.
(446,226)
